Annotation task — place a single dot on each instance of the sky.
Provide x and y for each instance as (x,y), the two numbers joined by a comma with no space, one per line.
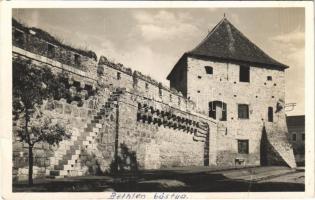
(151,40)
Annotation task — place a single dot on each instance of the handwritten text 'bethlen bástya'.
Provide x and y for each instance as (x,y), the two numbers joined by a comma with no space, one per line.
(157,195)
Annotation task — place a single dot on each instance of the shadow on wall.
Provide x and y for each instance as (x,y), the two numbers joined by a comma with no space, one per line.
(126,161)
(91,164)
(264,148)
(268,154)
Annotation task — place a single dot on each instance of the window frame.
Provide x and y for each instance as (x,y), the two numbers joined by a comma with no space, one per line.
(118,75)
(242,77)
(294,137)
(240,149)
(239,113)
(209,70)
(270,114)
(212,110)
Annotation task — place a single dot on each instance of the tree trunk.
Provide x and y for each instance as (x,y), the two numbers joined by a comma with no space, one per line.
(116,141)
(30,165)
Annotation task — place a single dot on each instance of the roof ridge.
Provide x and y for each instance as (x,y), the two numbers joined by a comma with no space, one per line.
(248,40)
(209,34)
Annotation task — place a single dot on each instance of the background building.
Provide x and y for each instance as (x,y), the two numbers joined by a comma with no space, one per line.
(296,127)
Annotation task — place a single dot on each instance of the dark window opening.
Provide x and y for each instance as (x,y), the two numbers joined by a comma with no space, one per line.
(217,110)
(269,78)
(270,114)
(146,85)
(243,111)
(170,98)
(19,37)
(242,146)
(77,59)
(294,137)
(209,70)
(51,50)
(118,75)
(244,73)
(199,77)
(198,91)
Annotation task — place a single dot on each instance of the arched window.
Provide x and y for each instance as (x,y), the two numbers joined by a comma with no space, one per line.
(209,70)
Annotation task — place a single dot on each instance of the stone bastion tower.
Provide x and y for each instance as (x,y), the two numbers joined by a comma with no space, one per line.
(225,107)
(234,82)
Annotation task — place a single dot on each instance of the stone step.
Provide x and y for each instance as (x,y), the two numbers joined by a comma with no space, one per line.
(54,173)
(69,167)
(67,160)
(54,177)
(73,161)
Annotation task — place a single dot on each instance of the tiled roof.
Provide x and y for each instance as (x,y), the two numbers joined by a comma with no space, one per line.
(226,42)
(298,120)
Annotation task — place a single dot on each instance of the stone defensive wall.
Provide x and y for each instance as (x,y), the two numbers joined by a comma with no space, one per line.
(165,136)
(117,117)
(117,75)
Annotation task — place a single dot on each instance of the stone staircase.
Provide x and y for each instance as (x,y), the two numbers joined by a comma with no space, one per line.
(66,161)
(277,136)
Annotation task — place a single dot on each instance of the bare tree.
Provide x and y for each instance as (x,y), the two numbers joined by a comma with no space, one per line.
(31,86)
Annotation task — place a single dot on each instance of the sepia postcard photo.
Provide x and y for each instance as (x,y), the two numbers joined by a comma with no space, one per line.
(157,100)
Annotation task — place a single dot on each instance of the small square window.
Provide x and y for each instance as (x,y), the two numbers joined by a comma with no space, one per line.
(199,77)
(209,70)
(243,111)
(269,78)
(242,146)
(198,91)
